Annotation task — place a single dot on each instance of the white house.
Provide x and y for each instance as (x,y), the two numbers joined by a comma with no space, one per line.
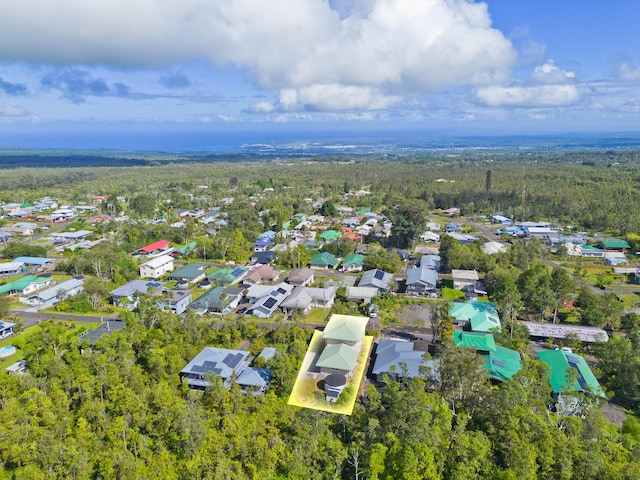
(156,267)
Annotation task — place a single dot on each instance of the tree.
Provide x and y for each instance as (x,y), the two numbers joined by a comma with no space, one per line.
(96,290)
(5,305)
(535,289)
(328,209)
(504,293)
(562,287)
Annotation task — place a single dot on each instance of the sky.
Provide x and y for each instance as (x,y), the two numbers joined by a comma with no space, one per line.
(96,69)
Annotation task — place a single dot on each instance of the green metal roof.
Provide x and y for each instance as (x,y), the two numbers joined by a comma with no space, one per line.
(348,328)
(559,362)
(186,248)
(356,259)
(227,275)
(591,248)
(330,235)
(190,271)
(483,342)
(339,356)
(21,284)
(616,244)
(324,259)
(503,363)
(483,316)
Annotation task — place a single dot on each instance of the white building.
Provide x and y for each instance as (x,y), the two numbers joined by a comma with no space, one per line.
(157,267)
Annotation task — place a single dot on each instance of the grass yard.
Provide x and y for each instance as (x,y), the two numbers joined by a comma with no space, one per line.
(317,315)
(450,294)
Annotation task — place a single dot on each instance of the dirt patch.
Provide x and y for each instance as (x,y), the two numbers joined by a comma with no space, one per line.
(418,314)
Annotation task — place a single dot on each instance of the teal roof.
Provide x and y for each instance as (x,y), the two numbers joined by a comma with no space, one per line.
(559,363)
(483,342)
(186,248)
(503,363)
(330,235)
(591,248)
(227,275)
(356,259)
(21,284)
(362,211)
(324,259)
(339,356)
(483,316)
(346,328)
(189,271)
(616,244)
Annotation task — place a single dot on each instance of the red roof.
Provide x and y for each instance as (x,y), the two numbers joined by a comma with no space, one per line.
(159,245)
(353,236)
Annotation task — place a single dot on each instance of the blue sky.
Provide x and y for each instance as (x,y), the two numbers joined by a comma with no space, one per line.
(75,67)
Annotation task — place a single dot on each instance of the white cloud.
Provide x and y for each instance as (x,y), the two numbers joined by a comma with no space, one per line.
(528,96)
(7,110)
(313,47)
(549,74)
(628,72)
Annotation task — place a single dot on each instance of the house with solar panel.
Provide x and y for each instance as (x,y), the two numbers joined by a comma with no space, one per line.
(225,363)
(266,299)
(129,294)
(227,276)
(500,363)
(177,300)
(6,329)
(378,279)
(157,267)
(569,372)
(476,316)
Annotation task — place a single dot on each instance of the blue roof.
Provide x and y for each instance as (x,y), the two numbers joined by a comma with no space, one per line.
(33,260)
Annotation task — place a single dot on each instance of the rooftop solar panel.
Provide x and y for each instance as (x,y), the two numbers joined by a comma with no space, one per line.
(282,290)
(379,275)
(232,360)
(270,302)
(237,271)
(499,363)
(572,359)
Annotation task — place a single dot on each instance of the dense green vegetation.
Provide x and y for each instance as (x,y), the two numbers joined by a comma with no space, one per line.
(118,409)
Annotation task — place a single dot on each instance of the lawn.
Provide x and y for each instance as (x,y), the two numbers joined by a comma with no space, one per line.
(22,338)
(450,294)
(317,315)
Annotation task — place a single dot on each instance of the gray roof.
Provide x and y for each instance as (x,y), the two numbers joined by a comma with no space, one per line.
(64,287)
(431,261)
(268,353)
(392,353)
(254,377)
(216,299)
(136,286)
(425,276)
(299,298)
(221,361)
(376,278)
(103,329)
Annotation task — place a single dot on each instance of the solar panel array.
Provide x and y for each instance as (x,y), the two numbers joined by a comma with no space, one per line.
(270,302)
(499,363)
(282,290)
(153,284)
(379,275)
(233,359)
(237,271)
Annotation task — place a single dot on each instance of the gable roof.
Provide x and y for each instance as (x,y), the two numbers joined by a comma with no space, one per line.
(22,283)
(394,353)
(301,275)
(64,287)
(348,328)
(221,361)
(158,261)
(104,328)
(465,275)
(376,278)
(424,276)
(228,275)
(189,271)
(355,259)
(33,260)
(560,362)
(483,316)
(330,235)
(136,286)
(152,247)
(299,299)
(254,377)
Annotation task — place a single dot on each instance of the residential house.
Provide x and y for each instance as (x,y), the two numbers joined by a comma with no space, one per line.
(453,227)
(36,263)
(266,301)
(500,363)
(75,236)
(189,273)
(397,358)
(491,248)
(324,261)
(218,300)
(501,220)
(26,285)
(57,293)
(303,299)
(352,263)
(157,267)
(377,279)
(262,244)
(429,236)
(432,262)
(301,277)
(362,295)
(6,329)
(343,339)
(591,252)
(11,268)
(464,239)
(616,246)
(464,279)
(105,328)
(264,273)
(160,247)
(582,379)
(184,250)
(176,300)
(476,316)
(329,236)
(228,276)
(254,380)
(613,259)
(227,364)
(421,281)
(262,258)
(433,226)
(129,293)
